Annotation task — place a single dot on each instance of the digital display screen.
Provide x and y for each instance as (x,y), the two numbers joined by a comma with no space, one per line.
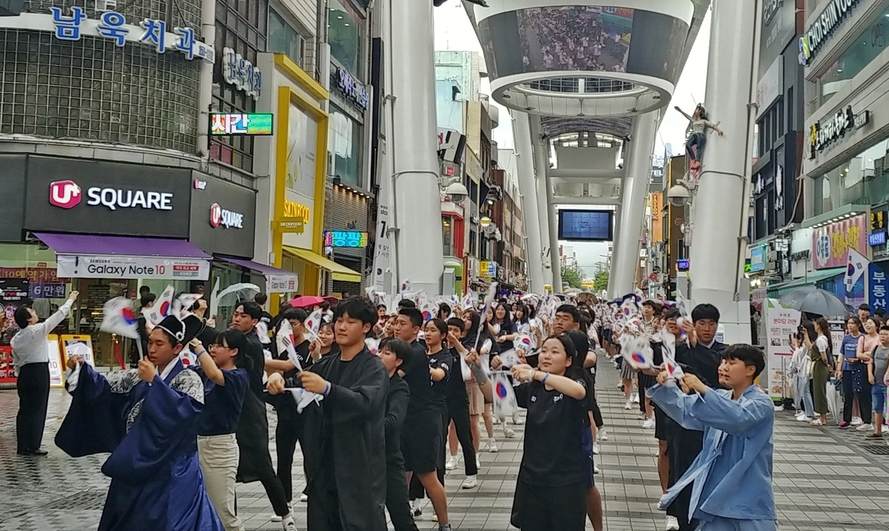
(583,38)
(586,225)
(256,124)
(345,238)
(683,264)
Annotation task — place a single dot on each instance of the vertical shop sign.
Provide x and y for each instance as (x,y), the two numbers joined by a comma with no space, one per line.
(877,296)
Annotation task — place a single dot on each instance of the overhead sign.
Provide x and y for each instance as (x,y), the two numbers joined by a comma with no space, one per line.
(227,219)
(876,239)
(352,239)
(104,197)
(758,258)
(66,194)
(238,124)
(72,24)
(350,87)
(241,73)
(825,132)
(144,267)
(821,29)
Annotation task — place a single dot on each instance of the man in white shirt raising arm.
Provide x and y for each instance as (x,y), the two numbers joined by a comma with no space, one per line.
(30,356)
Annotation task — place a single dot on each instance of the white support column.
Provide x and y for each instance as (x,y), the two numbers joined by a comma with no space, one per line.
(720,212)
(555,259)
(541,155)
(541,165)
(415,181)
(521,128)
(635,188)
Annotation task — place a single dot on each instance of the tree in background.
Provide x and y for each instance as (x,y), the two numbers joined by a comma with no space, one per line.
(601,281)
(572,276)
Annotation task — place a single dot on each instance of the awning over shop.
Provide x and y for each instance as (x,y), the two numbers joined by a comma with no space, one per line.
(88,256)
(277,280)
(810,279)
(337,271)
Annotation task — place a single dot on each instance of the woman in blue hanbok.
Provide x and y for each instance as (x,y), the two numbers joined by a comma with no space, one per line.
(146,418)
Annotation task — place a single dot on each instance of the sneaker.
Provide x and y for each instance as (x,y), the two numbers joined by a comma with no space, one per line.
(451,463)
(510,433)
(779,408)
(672,523)
(478,464)
(491,446)
(602,435)
(596,470)
(444,527)
(416,511)
(864,427)
(635,398)
(817,422)
(287,523)
(856,421)
(804,418)
(844,425)
(628,405)
(470,482)
(304,498)
(595,448)
(648,424)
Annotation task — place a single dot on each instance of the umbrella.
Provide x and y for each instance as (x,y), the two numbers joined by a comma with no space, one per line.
(306,301)
(810,299)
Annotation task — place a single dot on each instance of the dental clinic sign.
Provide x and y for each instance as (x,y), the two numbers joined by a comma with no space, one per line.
(824,25)
(72,24)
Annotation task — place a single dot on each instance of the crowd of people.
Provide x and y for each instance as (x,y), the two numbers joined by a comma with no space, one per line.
(550,44)
(384,403)
(844,384)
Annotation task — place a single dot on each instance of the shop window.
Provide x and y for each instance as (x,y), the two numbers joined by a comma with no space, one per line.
(345,140)
(285,38)
(866,46)
(447,232)
(344,29)
(860,180)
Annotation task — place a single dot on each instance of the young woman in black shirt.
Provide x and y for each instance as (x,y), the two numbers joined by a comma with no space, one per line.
(552,483)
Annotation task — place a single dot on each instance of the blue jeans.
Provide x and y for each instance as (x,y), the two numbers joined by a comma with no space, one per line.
(878,398)
(804,394)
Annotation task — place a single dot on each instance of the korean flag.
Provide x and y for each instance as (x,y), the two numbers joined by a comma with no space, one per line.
(856,265)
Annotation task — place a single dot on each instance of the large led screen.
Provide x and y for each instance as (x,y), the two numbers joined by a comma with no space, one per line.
(584,38)
(586,225)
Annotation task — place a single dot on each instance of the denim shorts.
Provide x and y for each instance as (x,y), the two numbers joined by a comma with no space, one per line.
(878,398)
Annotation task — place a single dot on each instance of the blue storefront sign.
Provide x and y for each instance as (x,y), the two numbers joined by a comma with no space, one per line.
(758,256)
(878,275)
(72,24)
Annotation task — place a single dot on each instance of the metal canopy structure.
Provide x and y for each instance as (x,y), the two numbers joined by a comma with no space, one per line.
(587,85)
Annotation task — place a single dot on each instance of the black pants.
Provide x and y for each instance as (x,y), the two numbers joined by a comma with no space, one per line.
(849,396)
(683,447)
(396,498)
(324,511)
(416,490)
(459,413)
(549,508)
(597,413)
(33,391)
(287,433)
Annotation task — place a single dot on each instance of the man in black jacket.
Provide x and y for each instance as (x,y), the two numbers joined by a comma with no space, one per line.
(393,353)
(701,356)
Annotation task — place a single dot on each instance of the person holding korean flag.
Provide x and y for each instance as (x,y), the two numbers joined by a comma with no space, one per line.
(554,473)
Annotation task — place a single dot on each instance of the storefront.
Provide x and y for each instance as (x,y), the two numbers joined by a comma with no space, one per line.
(76,226)
(294,196)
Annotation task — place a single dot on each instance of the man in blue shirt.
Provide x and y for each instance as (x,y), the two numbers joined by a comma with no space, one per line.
(731,478)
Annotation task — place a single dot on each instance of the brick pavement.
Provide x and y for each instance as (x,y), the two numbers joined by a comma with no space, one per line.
(824,479)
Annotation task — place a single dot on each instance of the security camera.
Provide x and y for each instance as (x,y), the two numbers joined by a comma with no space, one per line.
(678,195)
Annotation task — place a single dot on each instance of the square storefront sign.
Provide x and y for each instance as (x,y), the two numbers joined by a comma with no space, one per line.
(135,267)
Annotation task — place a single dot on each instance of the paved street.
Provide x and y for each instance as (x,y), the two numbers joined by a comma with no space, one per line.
(824,479)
